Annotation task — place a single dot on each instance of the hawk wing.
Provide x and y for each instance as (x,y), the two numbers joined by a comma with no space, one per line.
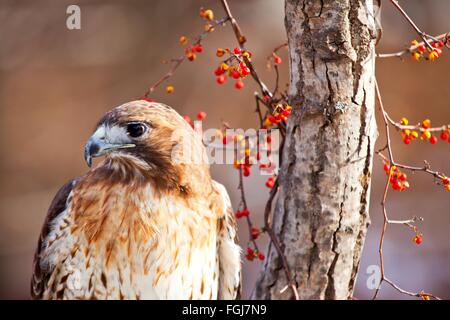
(40,276)
(228,249)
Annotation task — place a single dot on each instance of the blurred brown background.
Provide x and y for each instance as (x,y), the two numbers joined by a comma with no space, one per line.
(56,83)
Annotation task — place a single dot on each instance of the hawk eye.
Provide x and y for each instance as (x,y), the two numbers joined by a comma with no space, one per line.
(136,129)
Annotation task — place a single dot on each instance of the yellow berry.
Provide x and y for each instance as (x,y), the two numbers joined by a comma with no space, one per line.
(414,42)
(426,123)
(169,89)
(246,54)
(224,66)
(404,121)
(414,135)
(208,14)
(447,187)
(407,132)
(416,56)
(209,28)
(183,40)
(426,135)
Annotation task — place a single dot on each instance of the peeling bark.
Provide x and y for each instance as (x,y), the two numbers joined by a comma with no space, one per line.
(321,214)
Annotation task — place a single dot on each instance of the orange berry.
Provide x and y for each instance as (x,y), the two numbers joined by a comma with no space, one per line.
(191,56)
(169,89)
(433,55)
(426,123)
(183,40)
(220,52)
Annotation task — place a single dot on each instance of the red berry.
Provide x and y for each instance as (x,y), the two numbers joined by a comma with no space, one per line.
(402,176)
(246,172)
(277,60)
(238,214)
(250,251)
(446,180)
(219,71)
(245,212)
(386,167)
(422,48)
(266,98)
(239,84)
(237,51)
(235,74)
(406,140)
(197,48)
(261,256)
(221,79)
(255,233)
(396,185)
(444,135)
(433,140)
(246,71)
(270,182)
(201,115)
(418,239)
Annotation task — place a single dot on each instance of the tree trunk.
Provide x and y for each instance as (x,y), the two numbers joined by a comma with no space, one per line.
(321,213)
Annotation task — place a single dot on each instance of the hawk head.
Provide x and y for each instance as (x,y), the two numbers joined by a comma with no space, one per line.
(147,140)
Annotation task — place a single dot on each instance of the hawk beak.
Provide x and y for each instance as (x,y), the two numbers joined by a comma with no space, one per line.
(96,147)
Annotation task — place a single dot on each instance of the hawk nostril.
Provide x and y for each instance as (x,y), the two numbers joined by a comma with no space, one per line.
(93,149)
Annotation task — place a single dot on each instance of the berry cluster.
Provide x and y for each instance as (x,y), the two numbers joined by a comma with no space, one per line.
(423,52)
(234,66)
(397,178)
(281,113)
(242,213)
(409,135)
(254,253)
(191,51)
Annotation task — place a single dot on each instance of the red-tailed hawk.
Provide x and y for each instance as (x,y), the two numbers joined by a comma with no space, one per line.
(140,225)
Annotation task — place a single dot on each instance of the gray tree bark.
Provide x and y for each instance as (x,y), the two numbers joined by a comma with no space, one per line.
(321,213)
